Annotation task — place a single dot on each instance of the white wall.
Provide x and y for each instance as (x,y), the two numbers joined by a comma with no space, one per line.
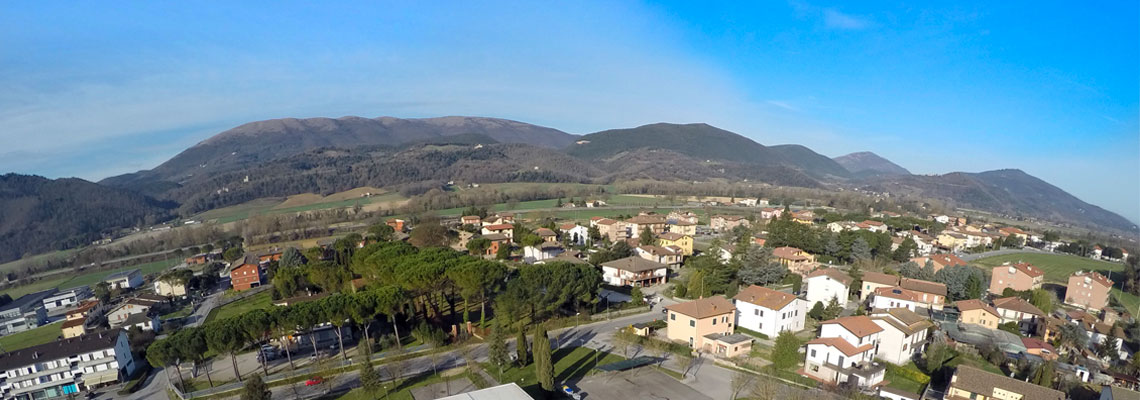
(823,289)
(771,322)
(887,302)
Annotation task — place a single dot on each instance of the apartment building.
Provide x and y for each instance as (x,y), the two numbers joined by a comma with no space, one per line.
(66,366)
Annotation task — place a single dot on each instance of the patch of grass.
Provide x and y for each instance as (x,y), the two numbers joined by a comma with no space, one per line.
(182,312)
(570,363)
(1057,267)
(261,300)
(25,262)
(975,361)
(901,377)
(403,392)
(752,333)
(29,338)
(43,284)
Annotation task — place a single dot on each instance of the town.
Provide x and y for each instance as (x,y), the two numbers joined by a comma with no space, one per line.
(716,299)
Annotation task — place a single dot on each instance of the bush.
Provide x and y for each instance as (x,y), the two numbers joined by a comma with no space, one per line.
(909,373)
(680,290)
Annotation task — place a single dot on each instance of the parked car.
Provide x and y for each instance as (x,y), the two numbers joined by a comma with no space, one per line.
(316,380)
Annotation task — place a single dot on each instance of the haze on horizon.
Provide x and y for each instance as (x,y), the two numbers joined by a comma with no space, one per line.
(968,86)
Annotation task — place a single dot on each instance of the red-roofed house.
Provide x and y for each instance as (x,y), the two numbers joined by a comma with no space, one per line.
(798,261)
(845,351)
(505,229)
(1020,277)
(1088,290)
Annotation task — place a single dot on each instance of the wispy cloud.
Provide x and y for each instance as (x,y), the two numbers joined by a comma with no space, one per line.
(782,104)
(835,19)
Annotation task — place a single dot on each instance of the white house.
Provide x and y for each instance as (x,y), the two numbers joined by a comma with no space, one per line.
(505,229)
(845,351)
(896,297)
(66,298)
(903,336)
(543,251)
(634,271)
(125,279)
(826,284)
(769,311)
(748,202)
(54,369)
(1016,309)
(576,234)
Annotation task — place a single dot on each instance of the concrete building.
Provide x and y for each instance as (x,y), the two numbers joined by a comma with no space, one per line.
(575,234)
(509,391)
(799,262)
(65,299)
(245,276)
(1016,309)
(26,312)
(896,297)
(66,366)
(1088,290)
(725,223)
(684,242)
(728,346)
(125,279)
(874,280)
(170,288)
(826,284)
(976,312)
(768,311)
(692,321)
(1020,277)
(655,223)
(542,252)
(932,294)
(904,334)
(634,271)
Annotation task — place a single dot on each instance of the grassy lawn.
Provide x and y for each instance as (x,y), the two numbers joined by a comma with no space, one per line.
(974,361)
(36,286)
(570,362)
(901,381)
(179,313)
(261,300)
(25,339)
(1058,267)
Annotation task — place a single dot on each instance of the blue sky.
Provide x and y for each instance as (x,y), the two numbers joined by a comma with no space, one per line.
(92,91)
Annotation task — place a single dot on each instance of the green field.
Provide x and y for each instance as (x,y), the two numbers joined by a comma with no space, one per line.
(267,206)
(29,338)
(33,260)
(261,300)
(1058,267)
(65,281)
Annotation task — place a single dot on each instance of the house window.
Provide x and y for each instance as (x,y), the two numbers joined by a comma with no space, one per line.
(761,313)
(693,322)
(812,353)
(904,346)
(673,317)
(761,326)
(714,321)
(755,312)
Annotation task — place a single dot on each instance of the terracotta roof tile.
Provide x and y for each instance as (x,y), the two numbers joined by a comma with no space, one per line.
(704,308)
(1017,304)
(765,297)
(670,236)
(842,345)
(633,264)
(974,380)
(880,278)
(919,285)
(860,325)
(975,304)
(833,274)
(1098,278)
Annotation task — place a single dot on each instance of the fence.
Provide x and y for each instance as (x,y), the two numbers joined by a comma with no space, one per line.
(290,375)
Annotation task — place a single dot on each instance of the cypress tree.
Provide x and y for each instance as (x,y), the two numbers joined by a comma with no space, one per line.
(520,344)
(543,362)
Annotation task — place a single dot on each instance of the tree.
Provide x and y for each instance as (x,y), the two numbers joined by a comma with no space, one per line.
(646,237)
(958,282)
(497,351)
(162,354)
(936,356)
(191,344)
(504,251)
(860,250)
(1042,299)
(233,254)
(910,269)
(291,257)
(255,389)
(636,297)
(758,268)
(390,301)
(256,324)
(786,353)
(543,361)
(381,232)
(478,246)
(336,309)
(741,380)
(429,234)
(370,380)
(833,309)
(224,336)
(1043,375)
(974,286)
(905,250)
(521,347)
(1011,327)
(816,312)
(103,292)
(328,276)
(476,280)
(1108,349)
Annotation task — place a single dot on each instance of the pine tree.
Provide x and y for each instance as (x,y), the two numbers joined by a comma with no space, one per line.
(520,344)
(255,389)
(498,353)
(543,362)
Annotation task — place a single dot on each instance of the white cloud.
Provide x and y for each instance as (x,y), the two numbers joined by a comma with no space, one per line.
(835,19)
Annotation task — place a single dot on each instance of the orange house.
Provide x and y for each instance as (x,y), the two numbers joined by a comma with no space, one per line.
(1088,290)
(245,277)
(396,224)
(1020,277)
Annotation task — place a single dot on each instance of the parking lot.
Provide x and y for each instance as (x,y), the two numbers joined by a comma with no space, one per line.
(640,383)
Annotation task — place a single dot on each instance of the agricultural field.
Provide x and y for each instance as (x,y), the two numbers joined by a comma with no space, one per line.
(261,300)
(1058,267)
(29,338)
(64,280)
(304,202)
(33,260)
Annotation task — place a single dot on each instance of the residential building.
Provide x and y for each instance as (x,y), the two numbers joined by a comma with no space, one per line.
(692,321)
(769,212)
(904,334)
(542,252)
(803,216)
(270,254)
(655,223)
(748,202)
(840,226)
(24,313)
(634,271)
(246,276)
(682,227)
(875,280)
(976,312)
(125,279)
(85,309)
(546,234)
(502,229)
(397,224)
(874,226)
(66,298)
(760,239)
(826,284)
(685,242)
(612,229)
(169,288)
(471,220)
(1108,392)
(951,240)
(670,256)
(1039,348)
(497,240)
(1088,290)
(768,311)
(971,383)
(66,366)
(933,294)
(1020,277)
(896,297)
(145,321)
(507,391)
(725,223)
(845,351)
(73,328)
(499,219)
(682,216)
(1009,230)
(923,242)
(1016,309)
(939,261)
(575,234)
(119,314)
(798,261)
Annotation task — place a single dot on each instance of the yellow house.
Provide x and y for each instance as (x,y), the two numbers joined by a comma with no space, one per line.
(690,322)
(951,240)
(978,313)
(73,328)
(685,242)
(169,288)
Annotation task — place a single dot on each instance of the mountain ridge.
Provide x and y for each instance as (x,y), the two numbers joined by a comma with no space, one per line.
(866,163)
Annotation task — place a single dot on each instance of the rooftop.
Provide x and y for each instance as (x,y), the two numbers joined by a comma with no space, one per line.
(859,325)
(842,345)
(764,297)
(1017,304)
(670,236)
(832,273)
(509,391)
(122,274)
(704,308)
(59,349)
(919,285)
(975,380)
(633,264)
(880,278)
(975,304)
(730,339)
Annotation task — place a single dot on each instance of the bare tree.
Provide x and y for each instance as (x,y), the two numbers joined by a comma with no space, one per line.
(741,380)
(765,388)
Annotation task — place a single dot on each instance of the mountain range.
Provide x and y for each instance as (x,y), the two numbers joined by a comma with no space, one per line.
(323,155)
